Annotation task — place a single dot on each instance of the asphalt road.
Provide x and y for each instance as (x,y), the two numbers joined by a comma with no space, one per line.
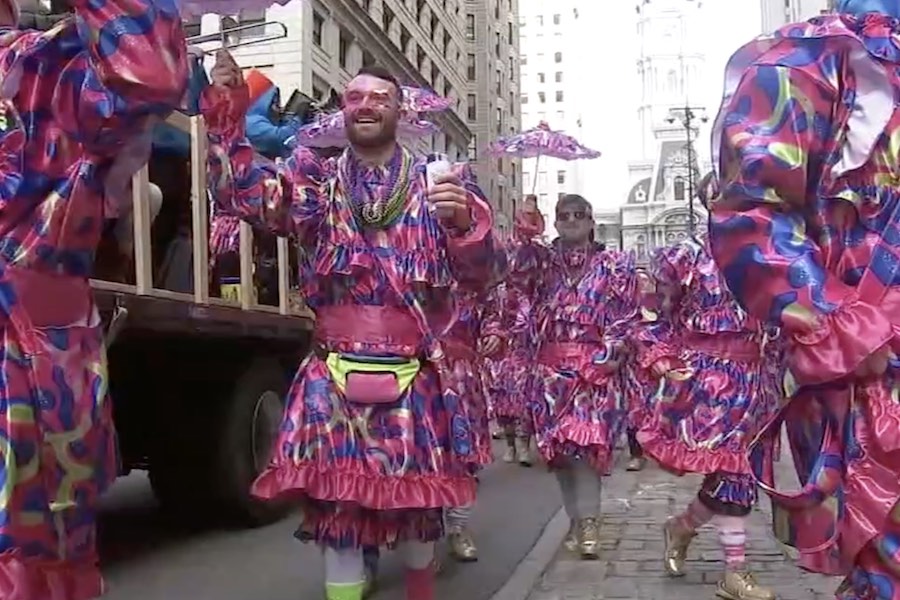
(145,557)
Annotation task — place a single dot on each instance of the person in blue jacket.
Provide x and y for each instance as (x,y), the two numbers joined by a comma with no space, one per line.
(267,128)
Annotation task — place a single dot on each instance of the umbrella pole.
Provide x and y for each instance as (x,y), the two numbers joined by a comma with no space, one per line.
(537,163)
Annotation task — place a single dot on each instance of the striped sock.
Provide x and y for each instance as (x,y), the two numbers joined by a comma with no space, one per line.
(733,537)
(695,516)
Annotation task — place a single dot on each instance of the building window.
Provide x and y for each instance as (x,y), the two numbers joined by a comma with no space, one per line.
(556,19)
(387,19)
(559,96)
(540,20)
(404,39)
(473,148)
(420,58)
(344,49)
(470,68)
(557,57)
(318,30)
(446,42)
(470,27)
(434,27)
(499,82)
(523,60)
(523,99)
(472,105)
(512,67)
(192,27)
(560,116)
(558,77)
(497,44)
(248,18)
(512,104)
(541,78)
(561,177)
(367,5)
(509,34)
(542,97)
(499,121)
(679,188)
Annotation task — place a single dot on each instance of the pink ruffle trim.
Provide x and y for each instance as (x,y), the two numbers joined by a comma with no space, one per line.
(677,458)
(24,578)
(570,434)
(370,491)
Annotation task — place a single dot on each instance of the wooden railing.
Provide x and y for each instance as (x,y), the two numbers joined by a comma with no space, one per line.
(144,284)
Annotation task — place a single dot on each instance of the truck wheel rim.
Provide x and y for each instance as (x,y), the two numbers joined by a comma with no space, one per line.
(266,420)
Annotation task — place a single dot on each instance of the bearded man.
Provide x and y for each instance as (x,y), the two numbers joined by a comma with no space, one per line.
(377,439)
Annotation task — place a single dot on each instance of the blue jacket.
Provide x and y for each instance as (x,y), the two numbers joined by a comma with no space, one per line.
(268,138)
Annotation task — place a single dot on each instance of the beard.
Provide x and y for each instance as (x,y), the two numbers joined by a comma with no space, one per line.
(372,136)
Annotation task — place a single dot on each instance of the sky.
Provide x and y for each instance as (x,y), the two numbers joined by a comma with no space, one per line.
(614,89)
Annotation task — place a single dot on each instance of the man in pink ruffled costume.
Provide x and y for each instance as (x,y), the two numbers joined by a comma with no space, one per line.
(377,439)
(584,300)
(715,395)
(76,99)
(806,234)
(512,303)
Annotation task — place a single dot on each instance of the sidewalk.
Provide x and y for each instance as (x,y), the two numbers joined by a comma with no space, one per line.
(630,566)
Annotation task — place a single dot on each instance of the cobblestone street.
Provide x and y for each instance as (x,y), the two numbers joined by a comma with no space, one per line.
(630,566)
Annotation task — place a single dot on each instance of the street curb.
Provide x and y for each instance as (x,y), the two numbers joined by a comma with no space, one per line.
(522,581)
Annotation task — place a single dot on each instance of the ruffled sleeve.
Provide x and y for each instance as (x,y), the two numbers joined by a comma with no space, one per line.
(620,307)
(774,142)
(126,64)
(284,197)
(475,261)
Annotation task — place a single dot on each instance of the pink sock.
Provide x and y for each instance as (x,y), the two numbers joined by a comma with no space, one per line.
(733,537)
(695,516)
(420,583)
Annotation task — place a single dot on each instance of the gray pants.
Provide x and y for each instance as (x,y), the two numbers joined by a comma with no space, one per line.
(457,518)
(581,488)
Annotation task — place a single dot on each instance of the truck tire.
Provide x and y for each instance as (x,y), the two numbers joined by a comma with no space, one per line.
(249,427)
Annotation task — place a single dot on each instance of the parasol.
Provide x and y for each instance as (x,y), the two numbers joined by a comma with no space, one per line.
(541,141)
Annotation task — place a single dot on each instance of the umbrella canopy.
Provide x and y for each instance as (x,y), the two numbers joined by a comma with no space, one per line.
(542,141)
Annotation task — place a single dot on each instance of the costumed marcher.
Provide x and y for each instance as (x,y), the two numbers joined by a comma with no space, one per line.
(805,233)
(640,388)
(584,299)
(715,394)
(474,334)
(90,86)
(376,440)
(513,302)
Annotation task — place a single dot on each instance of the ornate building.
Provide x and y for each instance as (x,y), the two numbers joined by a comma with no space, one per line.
(670,65)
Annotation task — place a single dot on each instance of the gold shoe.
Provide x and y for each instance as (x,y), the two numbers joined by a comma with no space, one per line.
(742,586)
(571,541)
(462,546)
(589,538)
(510,455)
(677,542)
(637,463)
(523,451)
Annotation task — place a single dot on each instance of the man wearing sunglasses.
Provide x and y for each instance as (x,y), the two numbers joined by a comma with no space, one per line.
(584,300)
(377,439)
